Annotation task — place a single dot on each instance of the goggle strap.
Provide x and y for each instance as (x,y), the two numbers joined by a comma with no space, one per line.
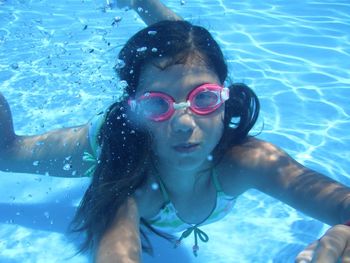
(225,94)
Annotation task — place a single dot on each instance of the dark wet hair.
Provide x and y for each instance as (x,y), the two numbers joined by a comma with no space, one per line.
(126,154)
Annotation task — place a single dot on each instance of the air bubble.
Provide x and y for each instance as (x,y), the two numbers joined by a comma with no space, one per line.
(154,186)
(152,32)
(122,84)
(14,66)
(117,19)
(210,157)
(154,50)
(36,163)
(47,214)
(141,49)
(67,167)
(119,64)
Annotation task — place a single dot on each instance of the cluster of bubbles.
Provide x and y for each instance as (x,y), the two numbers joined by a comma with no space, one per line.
(122,84)
(141,49)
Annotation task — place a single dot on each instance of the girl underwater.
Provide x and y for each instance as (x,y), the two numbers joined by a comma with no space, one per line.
(174,152)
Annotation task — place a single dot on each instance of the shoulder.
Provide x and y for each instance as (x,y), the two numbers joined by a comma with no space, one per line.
(253,153)
(149,198)
(251,161)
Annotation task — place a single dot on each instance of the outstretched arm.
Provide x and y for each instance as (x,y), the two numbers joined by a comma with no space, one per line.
(121,242)
(58,152)
(274,172)
(151,11)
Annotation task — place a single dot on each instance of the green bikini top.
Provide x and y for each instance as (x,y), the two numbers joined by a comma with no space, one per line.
(168,220)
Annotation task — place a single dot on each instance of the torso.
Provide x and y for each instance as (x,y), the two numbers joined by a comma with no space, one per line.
(193,207)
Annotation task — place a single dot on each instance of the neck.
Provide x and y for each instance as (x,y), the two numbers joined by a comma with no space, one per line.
(182,181)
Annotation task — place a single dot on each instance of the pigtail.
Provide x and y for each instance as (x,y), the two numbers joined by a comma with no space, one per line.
(241,112)
(242,109)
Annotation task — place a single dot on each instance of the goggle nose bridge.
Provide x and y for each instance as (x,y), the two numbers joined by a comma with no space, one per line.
(181,105)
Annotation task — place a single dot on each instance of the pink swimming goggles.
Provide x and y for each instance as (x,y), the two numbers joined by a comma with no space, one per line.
(158,106)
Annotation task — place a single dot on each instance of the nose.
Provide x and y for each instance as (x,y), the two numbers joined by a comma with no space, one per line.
(183,121)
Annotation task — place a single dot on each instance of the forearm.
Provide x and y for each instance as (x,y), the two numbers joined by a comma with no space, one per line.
(153,11)
(318,196)
(279,175)
(57,153)
(121,243)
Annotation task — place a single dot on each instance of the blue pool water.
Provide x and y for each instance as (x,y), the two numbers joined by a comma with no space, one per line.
(56,70)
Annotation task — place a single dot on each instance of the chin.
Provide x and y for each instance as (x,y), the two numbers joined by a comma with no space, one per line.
(187,163)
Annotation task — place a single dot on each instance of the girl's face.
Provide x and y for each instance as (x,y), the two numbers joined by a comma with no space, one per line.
(185,140)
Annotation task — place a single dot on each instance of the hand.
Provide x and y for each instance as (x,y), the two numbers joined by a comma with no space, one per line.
(333,247)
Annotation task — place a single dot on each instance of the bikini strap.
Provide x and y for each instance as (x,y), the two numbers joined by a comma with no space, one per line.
(216,181)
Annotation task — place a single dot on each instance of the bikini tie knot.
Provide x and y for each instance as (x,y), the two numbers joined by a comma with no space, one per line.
(198,233)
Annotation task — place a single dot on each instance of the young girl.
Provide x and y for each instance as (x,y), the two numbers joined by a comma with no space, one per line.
(174,153)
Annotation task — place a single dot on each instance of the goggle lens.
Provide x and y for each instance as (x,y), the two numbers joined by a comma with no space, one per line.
(205,100)
(153,107)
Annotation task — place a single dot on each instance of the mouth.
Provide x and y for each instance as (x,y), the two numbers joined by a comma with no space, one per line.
(186,147)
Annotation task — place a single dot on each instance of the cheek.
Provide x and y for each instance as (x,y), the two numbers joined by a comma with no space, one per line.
(217,127)
(216,120)
(157,131)
(218,130)
(212,127)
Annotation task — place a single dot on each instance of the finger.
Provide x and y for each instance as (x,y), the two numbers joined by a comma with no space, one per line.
(331,246)
(307,254)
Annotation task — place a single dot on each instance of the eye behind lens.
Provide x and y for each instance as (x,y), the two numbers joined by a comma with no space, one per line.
(206,99)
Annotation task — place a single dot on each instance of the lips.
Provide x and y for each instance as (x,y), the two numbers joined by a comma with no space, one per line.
(186,147)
